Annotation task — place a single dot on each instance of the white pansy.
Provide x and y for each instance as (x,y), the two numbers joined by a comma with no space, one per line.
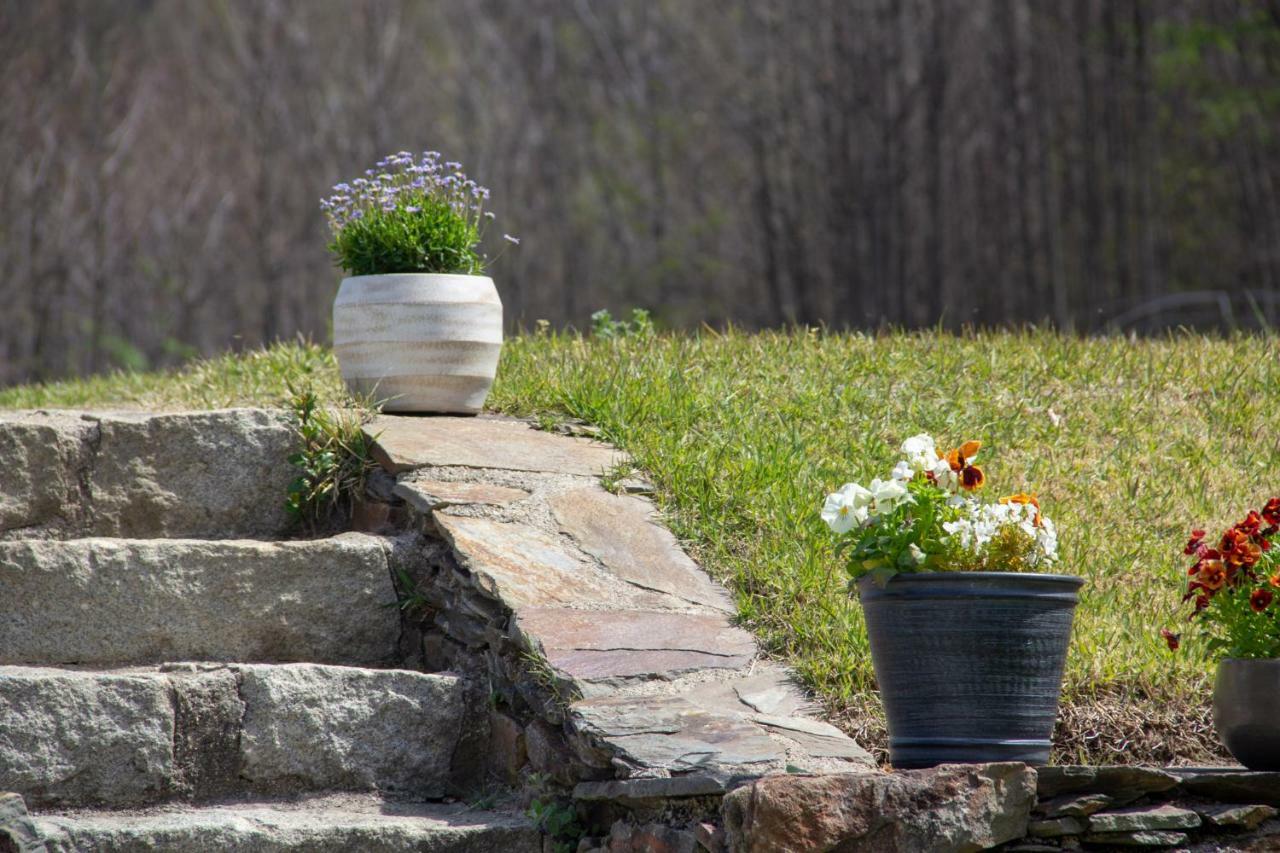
(920,451)
(847,508)
(917,555)
(888,495)
(903,472)
(943,475)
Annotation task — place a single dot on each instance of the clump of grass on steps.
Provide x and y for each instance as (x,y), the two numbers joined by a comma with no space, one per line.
(333,459)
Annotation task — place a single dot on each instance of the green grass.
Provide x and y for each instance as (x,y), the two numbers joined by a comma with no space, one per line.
(1128,443)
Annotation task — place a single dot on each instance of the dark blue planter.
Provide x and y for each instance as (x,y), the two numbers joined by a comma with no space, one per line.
(969,663)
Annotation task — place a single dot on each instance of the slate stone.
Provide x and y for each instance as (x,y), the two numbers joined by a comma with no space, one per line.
(428,495)
(672,735)
(1074,805)
(405,443)
(597,644)
(1230,785)
(522,566)
(507,752)
(1120,782)
(815,738)
(621,533)
(952,807)
(1162,816)
(1232,815)
(145,600)
(644,791)
(1145,838)
(1056,827)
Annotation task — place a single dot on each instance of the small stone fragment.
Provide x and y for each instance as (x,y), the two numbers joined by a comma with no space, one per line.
(507,752)
(1056,827)
(1244,816)
(1074,805)
(1146,817)
(710,837)
(1147,838)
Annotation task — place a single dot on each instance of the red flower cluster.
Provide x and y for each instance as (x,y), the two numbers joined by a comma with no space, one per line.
(1231,564)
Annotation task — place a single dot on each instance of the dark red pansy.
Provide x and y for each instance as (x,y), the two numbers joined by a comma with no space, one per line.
(1196,540)
(1271,512)
(1261,599)
(1174,640)
(1251,523)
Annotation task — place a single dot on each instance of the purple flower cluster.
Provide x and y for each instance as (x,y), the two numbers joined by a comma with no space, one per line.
(401,182)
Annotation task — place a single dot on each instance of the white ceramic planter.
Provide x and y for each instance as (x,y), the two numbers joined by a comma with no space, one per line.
(421,342)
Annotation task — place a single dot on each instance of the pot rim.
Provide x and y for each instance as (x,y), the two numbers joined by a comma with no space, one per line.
(1250,661)
(921,577)
(419,275)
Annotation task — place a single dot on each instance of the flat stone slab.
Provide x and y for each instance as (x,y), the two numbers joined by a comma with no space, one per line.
(428,495)
(593,645)
(1236,815)
(1120,782)
(77,738)
(521,566)
(620,532)
(114,601)
(212,474)
(405,443)
(1144,818)
(1230,784)
(668,735)
(331,824)
(1074,805)
(1145,838)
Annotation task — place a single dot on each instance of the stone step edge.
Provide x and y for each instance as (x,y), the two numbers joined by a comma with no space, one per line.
(328,600)
(322,823)
(197,732)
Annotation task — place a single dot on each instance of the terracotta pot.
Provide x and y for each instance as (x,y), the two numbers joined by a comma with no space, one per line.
(969,663)
(1246,710)
(421,342)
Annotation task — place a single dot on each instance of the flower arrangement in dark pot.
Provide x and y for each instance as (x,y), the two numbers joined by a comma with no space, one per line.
(1233,589)
(416,324)
(968,630)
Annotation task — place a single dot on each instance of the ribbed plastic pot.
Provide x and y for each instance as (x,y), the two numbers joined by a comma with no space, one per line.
(969,663)
(421,342)
(1246,711)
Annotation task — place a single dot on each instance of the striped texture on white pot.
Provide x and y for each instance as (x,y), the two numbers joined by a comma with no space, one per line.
(421,342)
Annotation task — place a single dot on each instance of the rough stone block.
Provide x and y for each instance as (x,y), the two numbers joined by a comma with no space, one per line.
(308,726)
(112,601)
(948,808)
(85,738)
(1246,816)
(336,824)
(134,474)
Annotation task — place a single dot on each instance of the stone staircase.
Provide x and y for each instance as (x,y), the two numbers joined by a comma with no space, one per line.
(175,675)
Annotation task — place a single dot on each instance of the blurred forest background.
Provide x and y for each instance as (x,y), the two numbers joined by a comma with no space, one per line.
(1095,164)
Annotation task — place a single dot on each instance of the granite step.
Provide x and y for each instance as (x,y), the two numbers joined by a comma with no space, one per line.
(138,736)
(207,475)
(333,824)
(123,601)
